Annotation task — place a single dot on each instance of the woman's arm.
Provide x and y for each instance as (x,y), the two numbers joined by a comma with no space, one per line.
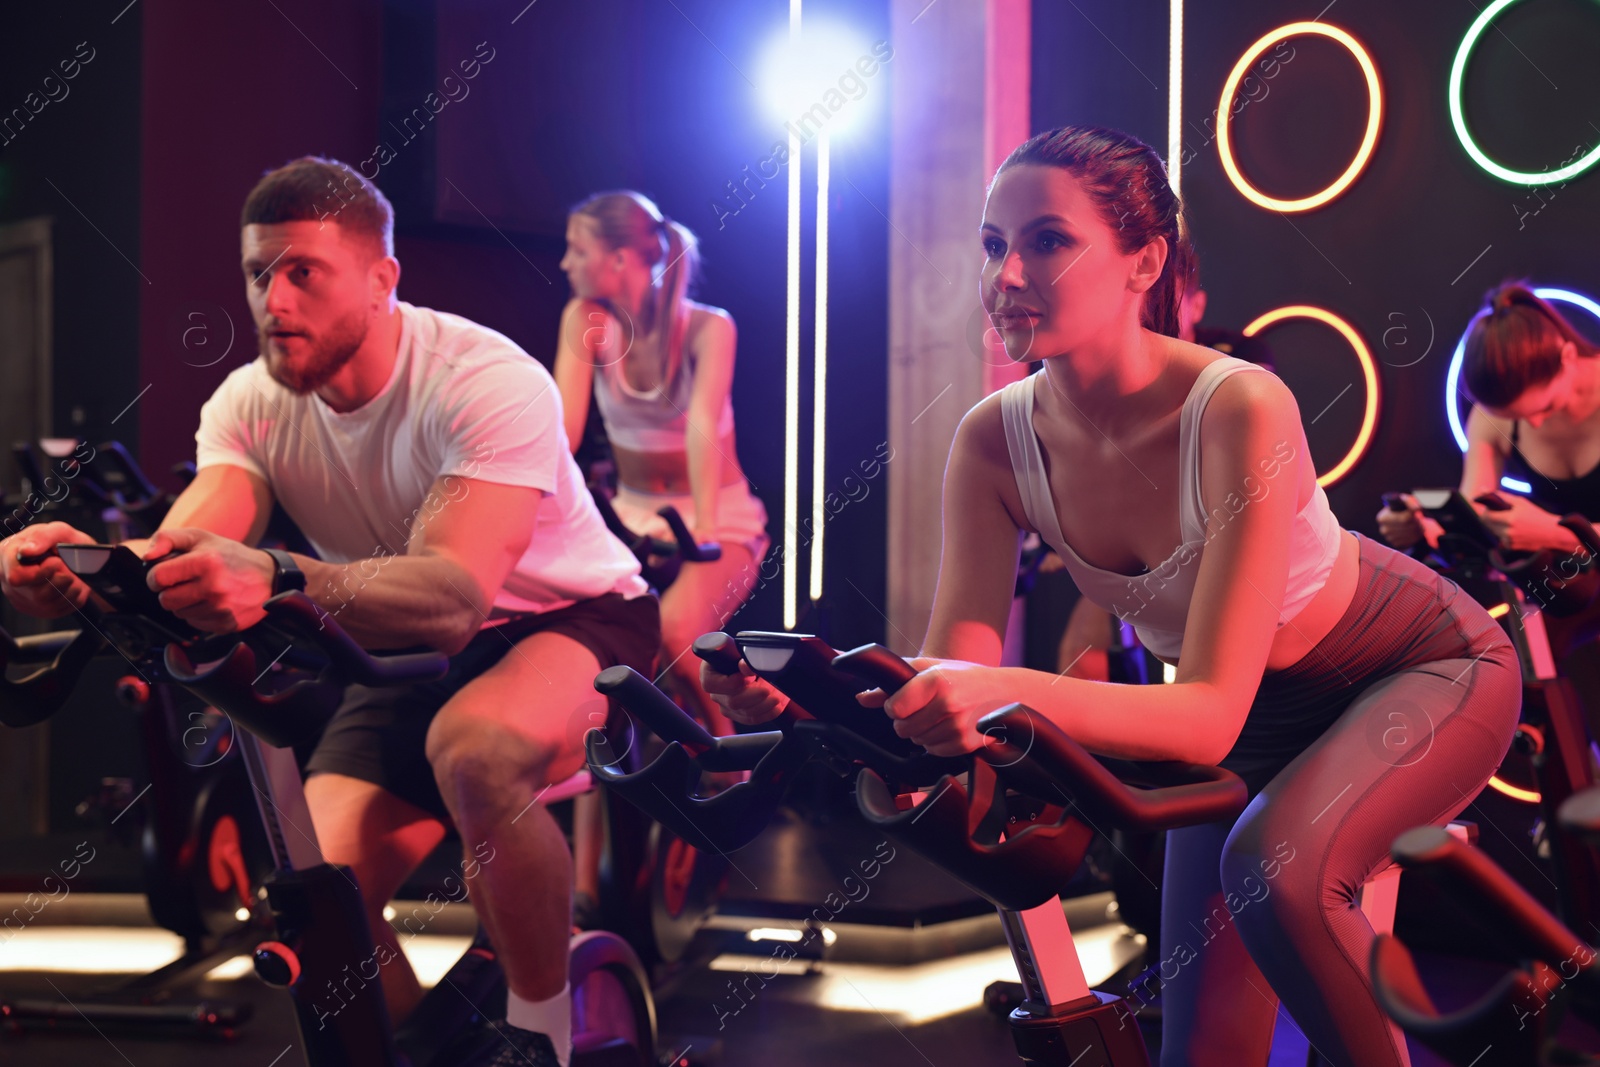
(713,346)
(1253,464)
(574,370)
(1488,445)
(1526,526)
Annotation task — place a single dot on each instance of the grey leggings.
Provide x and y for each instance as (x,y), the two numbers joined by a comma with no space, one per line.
(1396,719)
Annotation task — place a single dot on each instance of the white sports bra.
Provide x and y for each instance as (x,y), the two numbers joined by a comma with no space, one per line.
(1157,602)
(654,421)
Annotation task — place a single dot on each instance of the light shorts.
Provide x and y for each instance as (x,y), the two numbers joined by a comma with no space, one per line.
(741,517)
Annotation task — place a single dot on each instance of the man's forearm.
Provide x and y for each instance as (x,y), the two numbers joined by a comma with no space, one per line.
(399,601)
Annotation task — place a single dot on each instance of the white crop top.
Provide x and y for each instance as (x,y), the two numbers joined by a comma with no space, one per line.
(1157,602)
(654,421)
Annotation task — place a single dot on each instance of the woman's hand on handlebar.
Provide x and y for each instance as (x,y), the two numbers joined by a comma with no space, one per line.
(45,590)
(746,698)
(1401,529)
(939,709)
(1526,527)
(216,585)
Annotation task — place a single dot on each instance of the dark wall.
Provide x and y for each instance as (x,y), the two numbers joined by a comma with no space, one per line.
(1397,254)
(229,91)
(69,151)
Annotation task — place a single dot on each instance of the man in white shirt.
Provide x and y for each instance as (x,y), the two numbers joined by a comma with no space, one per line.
(423,456)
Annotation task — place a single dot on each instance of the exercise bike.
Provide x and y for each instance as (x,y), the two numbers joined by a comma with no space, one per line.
(1013,822)
(656,890)
(1551,756)
(278,682)
(201,848)
(1514,1023)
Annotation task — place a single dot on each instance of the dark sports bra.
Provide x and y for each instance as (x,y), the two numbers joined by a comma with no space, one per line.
(1559,496)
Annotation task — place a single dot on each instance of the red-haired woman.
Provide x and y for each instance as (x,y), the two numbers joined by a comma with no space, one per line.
(1177,485)
(1536,386)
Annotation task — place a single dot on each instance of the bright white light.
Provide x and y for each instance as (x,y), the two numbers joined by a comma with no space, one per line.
(791,364)
(775,933)
(1175,95)
(819,381)
(139,950)
(813,82)
(242,914)
(921,992)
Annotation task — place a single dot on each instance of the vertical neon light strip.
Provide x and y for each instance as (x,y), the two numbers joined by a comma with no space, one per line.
(819,389)
(1175,96)
(791,380)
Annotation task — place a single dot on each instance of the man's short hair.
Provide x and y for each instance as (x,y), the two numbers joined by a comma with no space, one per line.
(313,189)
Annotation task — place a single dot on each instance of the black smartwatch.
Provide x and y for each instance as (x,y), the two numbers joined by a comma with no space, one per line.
(286,574)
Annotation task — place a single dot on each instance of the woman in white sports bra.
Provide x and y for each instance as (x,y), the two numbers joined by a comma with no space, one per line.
(660,367)
(1358,693)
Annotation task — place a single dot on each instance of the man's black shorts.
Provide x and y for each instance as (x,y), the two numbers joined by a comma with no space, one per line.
(378,735)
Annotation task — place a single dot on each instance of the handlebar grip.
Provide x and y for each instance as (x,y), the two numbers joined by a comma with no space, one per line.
(300,614)
(634,692)
(1434,849)
(1584,530)
(719,650)
(878,665)
(1030,750)
(687,547)
(36,648)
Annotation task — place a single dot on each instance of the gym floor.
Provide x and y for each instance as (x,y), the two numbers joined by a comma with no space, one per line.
(886,995)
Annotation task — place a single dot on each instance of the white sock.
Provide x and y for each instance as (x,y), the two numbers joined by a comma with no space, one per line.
(551,1017)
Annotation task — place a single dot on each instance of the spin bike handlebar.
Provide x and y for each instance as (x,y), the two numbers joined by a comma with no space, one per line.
(39,694)
(321,658)
(969,829)
(683,547)
(964,824)
(1500,1017)
(314,659)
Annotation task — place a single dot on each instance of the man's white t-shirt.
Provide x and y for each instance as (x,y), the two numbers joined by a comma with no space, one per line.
(463,402)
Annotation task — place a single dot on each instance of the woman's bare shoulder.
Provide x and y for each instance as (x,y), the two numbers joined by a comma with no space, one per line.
(1490,429)
(982,433)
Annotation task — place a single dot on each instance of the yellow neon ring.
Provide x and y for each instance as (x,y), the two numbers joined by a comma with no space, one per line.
(1369,371)
(1527,796)
(1368,142)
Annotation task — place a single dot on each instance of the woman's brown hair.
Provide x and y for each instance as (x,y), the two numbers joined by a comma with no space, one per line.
(1515,344)
(1128,183)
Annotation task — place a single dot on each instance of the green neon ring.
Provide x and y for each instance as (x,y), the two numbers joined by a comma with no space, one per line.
(1457,119)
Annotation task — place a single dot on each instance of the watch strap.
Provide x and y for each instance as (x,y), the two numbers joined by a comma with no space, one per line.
(286,573)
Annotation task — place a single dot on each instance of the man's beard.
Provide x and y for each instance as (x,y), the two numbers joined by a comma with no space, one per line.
(327,357)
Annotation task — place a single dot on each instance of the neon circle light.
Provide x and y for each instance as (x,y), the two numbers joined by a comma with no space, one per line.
(1457,73)
(1369,140)
(1369,371)
(1452,380)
